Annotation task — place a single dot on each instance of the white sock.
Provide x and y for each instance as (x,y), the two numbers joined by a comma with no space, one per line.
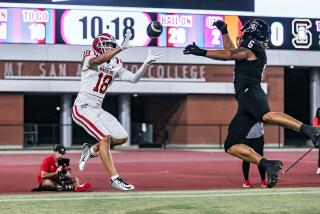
(91,151)
(114,177)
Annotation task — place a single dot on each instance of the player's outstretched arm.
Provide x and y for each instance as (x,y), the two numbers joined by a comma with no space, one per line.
(126,75)
(227,42)
(240,53)
(104,57)
(110,54)
(230,52)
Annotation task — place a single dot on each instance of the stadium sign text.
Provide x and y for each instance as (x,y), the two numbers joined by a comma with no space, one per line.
(73,69)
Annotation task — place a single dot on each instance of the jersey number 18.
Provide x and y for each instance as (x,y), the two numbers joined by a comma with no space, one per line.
(102,87)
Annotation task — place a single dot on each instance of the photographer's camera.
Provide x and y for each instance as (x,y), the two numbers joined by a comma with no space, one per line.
(64,182)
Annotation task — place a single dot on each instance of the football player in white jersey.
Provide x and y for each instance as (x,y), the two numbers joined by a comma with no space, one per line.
(99,69)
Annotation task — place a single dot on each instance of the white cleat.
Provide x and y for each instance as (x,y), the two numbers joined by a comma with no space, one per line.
(318,171)
(121,184)
(85,156)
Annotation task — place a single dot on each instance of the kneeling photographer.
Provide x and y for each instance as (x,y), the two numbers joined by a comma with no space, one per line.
(54,173)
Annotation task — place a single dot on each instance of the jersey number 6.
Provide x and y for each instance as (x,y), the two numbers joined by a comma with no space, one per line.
(102,88)
(250,45)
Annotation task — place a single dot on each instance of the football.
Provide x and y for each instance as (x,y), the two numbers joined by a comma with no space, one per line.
(154,29)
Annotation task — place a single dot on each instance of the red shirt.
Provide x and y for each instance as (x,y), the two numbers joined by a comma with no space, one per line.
(48,165)
(316,122)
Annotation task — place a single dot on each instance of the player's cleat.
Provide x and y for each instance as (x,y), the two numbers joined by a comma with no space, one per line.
(121,184)
(318,171)
(247,184)
(264,183)
(273,168)
(85,156)
(83,187)
(313,133)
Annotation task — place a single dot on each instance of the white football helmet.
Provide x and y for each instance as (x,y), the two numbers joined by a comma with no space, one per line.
(104,42)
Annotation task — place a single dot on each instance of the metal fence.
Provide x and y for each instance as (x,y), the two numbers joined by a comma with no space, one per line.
(195,135)
(159,135)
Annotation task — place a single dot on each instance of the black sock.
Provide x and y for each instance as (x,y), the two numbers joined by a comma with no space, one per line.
(262,163)
(245,169)
(308,130)
(262,173)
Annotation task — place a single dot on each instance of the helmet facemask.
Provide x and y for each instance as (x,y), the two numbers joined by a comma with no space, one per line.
(104,43)
(105,46)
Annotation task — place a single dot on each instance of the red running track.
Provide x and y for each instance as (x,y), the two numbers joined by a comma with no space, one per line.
(161,170)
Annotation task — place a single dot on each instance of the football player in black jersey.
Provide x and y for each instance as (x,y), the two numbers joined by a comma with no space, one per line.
(250,62)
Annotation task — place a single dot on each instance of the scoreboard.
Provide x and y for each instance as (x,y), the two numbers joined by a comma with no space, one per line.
(81,26)
(24,25)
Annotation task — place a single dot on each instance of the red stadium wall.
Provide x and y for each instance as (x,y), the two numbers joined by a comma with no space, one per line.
(196,119)
(11,119)
(190,118)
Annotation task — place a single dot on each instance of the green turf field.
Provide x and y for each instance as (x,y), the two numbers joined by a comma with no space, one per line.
(293,200)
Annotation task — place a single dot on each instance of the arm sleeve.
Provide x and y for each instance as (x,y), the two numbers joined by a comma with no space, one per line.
(128,76)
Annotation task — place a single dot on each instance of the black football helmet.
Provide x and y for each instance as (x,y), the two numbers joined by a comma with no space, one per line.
(256,29)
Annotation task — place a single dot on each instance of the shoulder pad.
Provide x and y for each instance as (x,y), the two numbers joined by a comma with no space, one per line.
(89,52)
(117,60)
(252,44)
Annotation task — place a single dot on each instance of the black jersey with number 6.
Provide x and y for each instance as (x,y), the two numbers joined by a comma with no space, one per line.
(247,72)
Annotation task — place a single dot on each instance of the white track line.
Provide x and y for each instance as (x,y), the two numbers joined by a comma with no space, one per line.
(128,196)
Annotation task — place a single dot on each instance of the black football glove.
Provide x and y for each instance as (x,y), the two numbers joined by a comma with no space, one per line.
(195,50)
(221,26)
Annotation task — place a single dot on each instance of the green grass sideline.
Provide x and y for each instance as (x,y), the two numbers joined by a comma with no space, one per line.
(282,200)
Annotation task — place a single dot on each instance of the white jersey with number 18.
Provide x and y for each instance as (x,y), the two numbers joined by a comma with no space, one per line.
(95,80)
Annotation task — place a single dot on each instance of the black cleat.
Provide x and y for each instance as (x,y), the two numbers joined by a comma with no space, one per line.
(273,167)
(313,134)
